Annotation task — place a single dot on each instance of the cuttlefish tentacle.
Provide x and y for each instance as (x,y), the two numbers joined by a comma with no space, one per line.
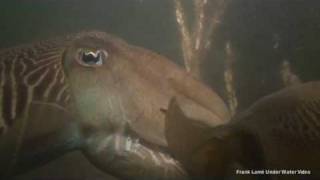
(132,159)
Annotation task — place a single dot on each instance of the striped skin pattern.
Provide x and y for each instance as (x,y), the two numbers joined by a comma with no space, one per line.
(36,77)
(279,131)
(31,73)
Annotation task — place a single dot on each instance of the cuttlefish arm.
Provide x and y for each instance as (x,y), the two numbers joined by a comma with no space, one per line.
(155,80)
(188,126)
(202,144)
(129,157)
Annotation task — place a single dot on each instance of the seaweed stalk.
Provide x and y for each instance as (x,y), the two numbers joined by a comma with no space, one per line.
(229,79)
(185,35)
(195,42)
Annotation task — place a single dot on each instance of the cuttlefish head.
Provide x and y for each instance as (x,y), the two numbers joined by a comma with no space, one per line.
(93,63)
(108,86)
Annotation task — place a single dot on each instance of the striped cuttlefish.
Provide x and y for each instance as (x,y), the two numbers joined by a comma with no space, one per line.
(95,93)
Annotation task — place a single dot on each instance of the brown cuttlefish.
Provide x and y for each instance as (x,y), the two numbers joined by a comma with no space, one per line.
(278,137)
(96,93)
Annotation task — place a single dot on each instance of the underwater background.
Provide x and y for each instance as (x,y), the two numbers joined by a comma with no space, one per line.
(269,37)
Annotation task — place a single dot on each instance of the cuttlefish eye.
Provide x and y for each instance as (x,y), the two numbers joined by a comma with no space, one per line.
(91,58)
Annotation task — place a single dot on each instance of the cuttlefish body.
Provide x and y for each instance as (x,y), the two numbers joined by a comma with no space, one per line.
(278,132)
(95,92)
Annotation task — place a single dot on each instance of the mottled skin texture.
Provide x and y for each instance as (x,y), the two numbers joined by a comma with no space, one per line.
(279,131)
(113,113)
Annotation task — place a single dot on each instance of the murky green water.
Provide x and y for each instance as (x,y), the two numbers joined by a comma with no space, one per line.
(264,34)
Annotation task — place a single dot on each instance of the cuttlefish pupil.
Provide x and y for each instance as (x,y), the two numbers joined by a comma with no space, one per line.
(88,57)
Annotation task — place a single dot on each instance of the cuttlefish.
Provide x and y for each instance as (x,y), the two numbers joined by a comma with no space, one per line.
(278,136)
(96,93)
